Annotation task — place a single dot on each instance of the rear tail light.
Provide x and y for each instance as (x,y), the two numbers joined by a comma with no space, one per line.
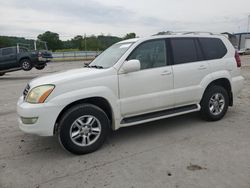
(237,59)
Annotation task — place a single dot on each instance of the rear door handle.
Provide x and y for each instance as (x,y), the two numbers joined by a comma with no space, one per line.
(166,72)
(202,67)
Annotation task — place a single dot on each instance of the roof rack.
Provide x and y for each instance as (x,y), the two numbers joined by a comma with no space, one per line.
(184,33)
(198,32)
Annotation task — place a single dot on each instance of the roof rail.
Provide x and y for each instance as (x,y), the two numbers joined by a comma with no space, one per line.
(184,33)
(197,32)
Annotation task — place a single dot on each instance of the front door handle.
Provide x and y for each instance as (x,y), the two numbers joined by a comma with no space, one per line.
(166,73)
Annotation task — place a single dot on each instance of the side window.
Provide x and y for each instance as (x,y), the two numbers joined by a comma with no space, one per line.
(213,48)
(199,51)
(7,51)
(23,50)
(184,50)
(151,54)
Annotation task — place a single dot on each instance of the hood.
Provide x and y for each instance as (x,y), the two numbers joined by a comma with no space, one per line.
(65,76)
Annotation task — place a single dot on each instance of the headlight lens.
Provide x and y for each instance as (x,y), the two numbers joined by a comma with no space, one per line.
(39,94)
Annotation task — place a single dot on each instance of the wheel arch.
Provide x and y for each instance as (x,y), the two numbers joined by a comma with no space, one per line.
(25,57)
(225,83)
(98,101)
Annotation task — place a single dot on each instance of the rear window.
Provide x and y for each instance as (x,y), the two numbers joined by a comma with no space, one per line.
(184,50)
(213,48)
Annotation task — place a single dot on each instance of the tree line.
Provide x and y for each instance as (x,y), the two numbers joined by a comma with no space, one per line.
(79,42)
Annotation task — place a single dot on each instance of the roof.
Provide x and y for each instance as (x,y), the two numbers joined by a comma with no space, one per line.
(172,35)
(129,40)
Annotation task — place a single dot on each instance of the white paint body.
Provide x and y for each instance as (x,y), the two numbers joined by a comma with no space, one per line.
(247,44)
(131,94)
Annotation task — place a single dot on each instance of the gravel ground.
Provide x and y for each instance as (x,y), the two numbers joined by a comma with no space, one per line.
(180,152)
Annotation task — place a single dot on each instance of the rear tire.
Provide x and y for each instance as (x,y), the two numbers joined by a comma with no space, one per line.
(26,64)
(214,103)
(83,129)
(1,74)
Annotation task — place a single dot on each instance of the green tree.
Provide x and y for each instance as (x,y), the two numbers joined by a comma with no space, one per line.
(52,39)
(92,43)
(78,42)
(106,41)
(4,42)
(129,36)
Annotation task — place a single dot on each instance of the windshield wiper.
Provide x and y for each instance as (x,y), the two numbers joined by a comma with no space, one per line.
(94,66)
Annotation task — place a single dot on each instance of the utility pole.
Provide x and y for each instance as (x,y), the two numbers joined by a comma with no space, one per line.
(85,46)
(35,44)
(248,23)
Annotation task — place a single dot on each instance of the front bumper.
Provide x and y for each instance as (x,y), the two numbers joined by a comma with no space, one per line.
(46,114)
(237,84)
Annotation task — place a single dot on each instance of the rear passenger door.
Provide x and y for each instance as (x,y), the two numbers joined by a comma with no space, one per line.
(214,50)
(189,69)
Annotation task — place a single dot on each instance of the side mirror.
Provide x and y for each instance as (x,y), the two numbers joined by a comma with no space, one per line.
(132,65)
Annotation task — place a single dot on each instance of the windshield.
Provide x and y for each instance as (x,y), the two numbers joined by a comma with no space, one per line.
(110,56)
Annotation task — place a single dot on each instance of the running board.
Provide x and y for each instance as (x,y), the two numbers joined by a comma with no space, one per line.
(158,114)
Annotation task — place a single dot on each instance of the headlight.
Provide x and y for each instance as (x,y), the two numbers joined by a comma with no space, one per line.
(39,94)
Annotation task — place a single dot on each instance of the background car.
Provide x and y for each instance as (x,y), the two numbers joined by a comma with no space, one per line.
(17,58)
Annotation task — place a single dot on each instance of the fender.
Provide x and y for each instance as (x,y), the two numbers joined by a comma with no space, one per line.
(212,77)
(98,91)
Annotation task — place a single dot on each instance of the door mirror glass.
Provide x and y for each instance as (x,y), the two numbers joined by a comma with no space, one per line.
(131,66)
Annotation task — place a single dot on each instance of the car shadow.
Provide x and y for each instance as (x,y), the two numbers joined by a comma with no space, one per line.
(25,76)
(9,78)
(157,127)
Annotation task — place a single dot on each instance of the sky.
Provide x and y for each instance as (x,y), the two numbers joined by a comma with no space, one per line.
(68,18)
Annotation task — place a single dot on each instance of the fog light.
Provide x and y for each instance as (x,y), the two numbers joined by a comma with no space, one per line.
(26,120)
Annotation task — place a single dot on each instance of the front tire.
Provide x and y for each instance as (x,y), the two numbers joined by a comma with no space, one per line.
(1,74)
(26,64)
(83,129)
(214,104)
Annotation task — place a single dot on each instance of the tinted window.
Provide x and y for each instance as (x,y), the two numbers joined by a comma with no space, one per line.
(151,54)
(213,48)
(7,51)
(199,51)
(184,50)
(22,50)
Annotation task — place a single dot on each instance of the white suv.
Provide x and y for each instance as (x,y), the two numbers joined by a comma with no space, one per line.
(132,82)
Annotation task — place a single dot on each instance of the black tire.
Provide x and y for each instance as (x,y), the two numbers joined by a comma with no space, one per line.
(67,124)
(40,67)
(26,64)
(1,74)
(219,110)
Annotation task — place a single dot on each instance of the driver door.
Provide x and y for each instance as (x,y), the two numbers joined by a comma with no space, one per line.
(149,89)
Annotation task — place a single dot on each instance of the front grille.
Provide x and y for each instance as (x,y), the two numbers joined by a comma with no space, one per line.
(25,92)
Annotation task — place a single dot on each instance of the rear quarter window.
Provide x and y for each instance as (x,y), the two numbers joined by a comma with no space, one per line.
(213,48)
